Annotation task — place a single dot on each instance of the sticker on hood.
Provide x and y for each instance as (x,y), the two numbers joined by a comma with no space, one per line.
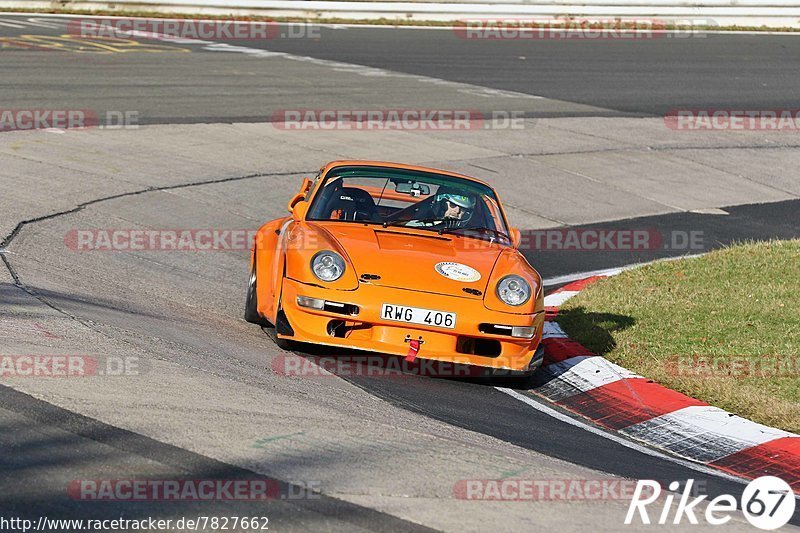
(457,271)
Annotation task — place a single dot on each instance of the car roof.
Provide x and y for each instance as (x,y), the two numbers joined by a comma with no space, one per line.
(389,164)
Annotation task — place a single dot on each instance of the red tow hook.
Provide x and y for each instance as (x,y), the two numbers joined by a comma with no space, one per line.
(413,347)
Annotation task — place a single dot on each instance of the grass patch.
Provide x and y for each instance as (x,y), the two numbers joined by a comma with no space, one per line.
(723,328)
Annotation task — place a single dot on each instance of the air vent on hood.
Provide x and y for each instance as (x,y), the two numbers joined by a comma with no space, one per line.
(468,290)
(370,276)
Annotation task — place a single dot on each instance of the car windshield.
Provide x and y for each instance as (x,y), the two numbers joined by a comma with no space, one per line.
(410,198)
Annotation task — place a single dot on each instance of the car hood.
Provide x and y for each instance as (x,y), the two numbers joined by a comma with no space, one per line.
(417,259)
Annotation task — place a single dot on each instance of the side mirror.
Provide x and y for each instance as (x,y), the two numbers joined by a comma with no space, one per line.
(299,197)
(299,211)
(516,237)
(306,185)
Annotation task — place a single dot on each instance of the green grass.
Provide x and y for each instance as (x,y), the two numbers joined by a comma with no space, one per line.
(692,324)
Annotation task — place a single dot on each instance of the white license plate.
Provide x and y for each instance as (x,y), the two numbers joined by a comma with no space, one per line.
(418,315)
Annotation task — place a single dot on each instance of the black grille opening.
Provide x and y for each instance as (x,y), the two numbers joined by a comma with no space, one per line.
(482,347)
(342,309)
(342,328)
(493,329)
(337,328)
(468,290)
(368,277)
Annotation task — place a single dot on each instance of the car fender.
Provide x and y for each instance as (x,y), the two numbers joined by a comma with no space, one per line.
(268,254)
(303,240)
(510,261)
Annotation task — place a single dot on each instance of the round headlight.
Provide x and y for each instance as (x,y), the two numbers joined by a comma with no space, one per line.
(513,290)
(327,265)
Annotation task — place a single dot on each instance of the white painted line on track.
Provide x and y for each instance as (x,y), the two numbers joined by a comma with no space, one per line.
(703,432)
(339,66)
(43,23)
(568,278)
(542,408)
(558,298)
(552,330)
(589,373)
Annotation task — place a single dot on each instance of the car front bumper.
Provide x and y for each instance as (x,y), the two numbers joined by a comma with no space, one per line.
(368,331)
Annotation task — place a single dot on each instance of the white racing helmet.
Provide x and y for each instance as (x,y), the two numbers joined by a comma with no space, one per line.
(465,201)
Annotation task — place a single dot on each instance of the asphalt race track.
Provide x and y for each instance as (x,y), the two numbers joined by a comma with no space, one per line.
(204,399)
(646,77)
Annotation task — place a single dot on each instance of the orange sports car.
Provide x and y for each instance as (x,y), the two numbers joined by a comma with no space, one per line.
(399,259)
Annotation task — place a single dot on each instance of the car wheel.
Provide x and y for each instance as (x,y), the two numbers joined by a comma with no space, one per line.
(251,313)
(521,379)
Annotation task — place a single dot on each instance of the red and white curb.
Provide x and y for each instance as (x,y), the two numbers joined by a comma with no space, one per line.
(635,407)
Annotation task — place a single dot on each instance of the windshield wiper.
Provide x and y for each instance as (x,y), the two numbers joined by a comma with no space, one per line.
(481,229)
(387,223)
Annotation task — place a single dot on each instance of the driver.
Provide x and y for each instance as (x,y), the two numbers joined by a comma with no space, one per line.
(454,209)
(449,208)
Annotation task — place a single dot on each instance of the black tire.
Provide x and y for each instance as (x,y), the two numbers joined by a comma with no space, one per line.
(283,344)
(521,379)
(251,313)
(283,327)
